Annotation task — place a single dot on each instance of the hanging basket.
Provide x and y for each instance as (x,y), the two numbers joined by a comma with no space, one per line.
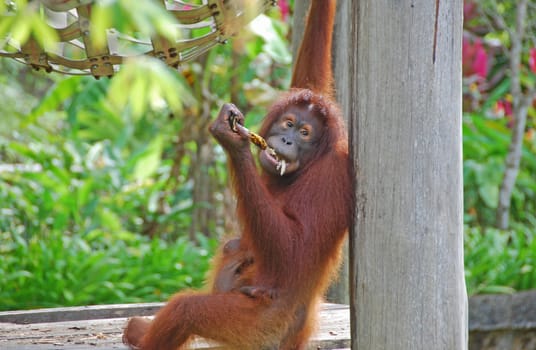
(76,54)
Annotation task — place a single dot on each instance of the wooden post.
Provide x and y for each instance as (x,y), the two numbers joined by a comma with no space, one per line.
(298,24)
(340,289)
(406,264)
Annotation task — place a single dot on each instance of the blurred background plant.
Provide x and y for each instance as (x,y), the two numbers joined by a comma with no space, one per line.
(113,191)
(499,66)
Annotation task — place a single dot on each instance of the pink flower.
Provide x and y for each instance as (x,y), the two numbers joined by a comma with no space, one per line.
(475,58)
(284,8)
(469,10)
(532,59)
(466,53)
(503,108)
(480,60)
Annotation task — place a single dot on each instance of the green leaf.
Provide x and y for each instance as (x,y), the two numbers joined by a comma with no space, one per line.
(21,29)
(101,20)
(149,162)
(45,35)
(274,45)
(499,92)
(58,94)
(139,96)
(5,24)
(110,220)
(490,195)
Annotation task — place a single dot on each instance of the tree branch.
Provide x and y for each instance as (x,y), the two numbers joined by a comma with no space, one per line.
(520,105)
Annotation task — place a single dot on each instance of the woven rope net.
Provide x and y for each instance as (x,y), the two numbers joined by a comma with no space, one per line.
(76,54)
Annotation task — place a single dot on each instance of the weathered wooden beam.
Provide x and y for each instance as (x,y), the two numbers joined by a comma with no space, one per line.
(407,275)
(79,313)
(493,319)
(100,327)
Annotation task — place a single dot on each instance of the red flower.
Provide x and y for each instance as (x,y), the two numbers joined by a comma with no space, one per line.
(532,59)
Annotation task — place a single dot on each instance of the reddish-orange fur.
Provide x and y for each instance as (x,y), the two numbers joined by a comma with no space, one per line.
(292,226)
(313,64)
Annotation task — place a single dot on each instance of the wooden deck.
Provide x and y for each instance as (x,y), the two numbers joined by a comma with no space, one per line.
(100,327)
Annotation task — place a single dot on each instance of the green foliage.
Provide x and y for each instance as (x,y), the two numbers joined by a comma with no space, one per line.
(58,270)
(77,189)
(95,169)
(497,261)
(500,261)
(485,144)
(84,177)
(98,167)
(22,19)
(148,19)
(97,177)
(274,42)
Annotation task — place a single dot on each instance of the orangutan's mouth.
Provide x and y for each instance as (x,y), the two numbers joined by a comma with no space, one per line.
(277,161)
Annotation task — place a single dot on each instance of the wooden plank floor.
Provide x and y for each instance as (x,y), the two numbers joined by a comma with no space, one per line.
(100,327)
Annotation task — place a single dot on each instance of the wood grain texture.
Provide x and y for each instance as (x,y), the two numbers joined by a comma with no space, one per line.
(93,327)
(407,277)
